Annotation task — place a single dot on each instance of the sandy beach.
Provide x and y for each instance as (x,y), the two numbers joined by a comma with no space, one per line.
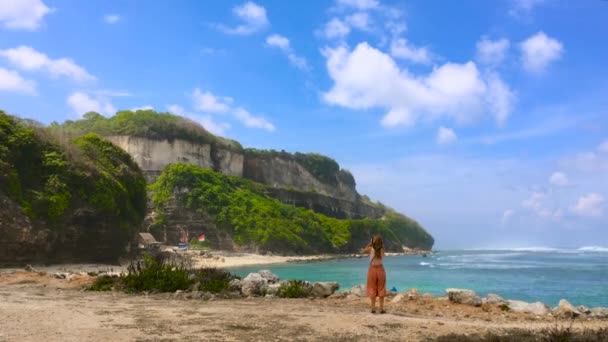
(36,306)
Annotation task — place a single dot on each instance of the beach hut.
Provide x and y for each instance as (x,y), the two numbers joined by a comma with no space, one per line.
(147,241)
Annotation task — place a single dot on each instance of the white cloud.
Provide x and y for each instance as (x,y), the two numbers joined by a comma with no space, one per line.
(446,136)
(539,51)
(81,103)
(336,28)
(400,48)
(360,4)
(207,102)
(368,78)
(253,16)
(27,58)
(359,20)
(559,179)
(500,98)
(282,43)
(11,81)
(217,128)
(112,18)
(603,147)
(507,215)
(252,121)
(146,107)
(522,8)
(210,103)
(111,93)
(23,14)
(536,204)
(492,52)
(590,205)
(587,162)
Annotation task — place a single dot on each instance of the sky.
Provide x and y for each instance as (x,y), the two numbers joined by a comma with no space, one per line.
(485,121)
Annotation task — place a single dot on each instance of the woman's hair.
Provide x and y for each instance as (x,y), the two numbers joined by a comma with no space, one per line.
(377,245)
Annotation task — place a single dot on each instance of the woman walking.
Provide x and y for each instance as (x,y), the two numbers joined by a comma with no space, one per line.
(376,276)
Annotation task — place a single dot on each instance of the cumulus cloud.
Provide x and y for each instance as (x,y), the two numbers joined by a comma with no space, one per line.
(253,17)
(209,103)
(446,136)
(590,205)
(112,18)
(539,51)
(217,128)
(282,43)
(359,20)
(359,4)
(536,203)
(368,78)
(23,14)
(28,59)
(11,81)
(523,8)
(492,52)
(81,102)
(336,28)
(558,179)
(401,48)
(603,147)
(146,107)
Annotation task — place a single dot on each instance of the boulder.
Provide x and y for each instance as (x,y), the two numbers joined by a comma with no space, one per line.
(536,308)
(324,289)
(254,285)
(269,276)
(583,309)
(599,312)
(29,268)
(398,298)
(235,285)
(339,295)
(463,296)
(565,310)
(359,291)
(272,289)
(412,294)
(494,299)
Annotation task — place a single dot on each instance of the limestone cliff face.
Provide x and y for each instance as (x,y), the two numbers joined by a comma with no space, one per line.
(153,155)
(285,173)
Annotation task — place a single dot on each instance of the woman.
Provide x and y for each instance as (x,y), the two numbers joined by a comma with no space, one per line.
(376,276)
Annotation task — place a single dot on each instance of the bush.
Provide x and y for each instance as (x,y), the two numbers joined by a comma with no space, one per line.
(105,283)
(156,274)
(213,280)
(556,333)
(294,289)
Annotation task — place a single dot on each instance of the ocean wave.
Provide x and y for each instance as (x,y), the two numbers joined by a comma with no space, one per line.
(454,266)
(425,263)
(594,249)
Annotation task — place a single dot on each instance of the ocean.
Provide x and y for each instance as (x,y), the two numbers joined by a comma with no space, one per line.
(529,274)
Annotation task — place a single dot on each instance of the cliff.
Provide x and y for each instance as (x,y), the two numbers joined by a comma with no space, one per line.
(80,199)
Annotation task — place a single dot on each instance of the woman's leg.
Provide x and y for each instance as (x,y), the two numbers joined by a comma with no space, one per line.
(381,304)
(373,300)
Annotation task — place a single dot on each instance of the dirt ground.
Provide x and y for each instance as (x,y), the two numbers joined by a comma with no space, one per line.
(36,307)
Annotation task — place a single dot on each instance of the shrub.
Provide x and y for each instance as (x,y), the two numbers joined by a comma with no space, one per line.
(157,274)
(213,280)
(104,283)
(294,289)
(556,333)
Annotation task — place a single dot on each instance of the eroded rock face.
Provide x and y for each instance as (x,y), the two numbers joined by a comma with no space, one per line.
(269,276)
(536,308)
(254,285)
(566,310)
(599,312)
(462,296)
(494,299)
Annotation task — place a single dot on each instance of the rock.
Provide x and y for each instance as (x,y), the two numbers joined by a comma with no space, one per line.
(412,294)
(359,291)
(59,275)
(494,299)
(583,309)
(599,312)
(196,294)
(272,289)
(29,268)
(235,285)
(269,276)
(565,310)
(339,295)
(463,296)
(398,298)
(207,296)
(254,285)
(324,289)
(536,308)
(270,296)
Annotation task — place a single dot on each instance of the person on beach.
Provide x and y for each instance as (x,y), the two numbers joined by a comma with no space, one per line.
(376,276)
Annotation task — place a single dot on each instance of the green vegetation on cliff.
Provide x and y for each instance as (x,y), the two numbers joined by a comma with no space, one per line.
(143,123)
(57,181)
(252,218)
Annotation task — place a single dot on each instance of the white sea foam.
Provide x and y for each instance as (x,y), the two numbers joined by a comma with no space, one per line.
(425,263)
(594,249)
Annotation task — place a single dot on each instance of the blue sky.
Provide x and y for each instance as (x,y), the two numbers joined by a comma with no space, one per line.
(487,121)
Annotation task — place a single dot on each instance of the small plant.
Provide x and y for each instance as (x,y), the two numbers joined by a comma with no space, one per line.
(505,307)
(213,280)
(156,273)
(104,283)
(294,289)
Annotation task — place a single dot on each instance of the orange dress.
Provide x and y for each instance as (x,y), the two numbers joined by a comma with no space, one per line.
(376,277)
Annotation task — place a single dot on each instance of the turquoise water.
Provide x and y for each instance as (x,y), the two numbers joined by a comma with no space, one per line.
(546,275)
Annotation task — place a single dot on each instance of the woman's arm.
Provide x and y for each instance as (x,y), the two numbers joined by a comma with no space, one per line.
(366,249)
